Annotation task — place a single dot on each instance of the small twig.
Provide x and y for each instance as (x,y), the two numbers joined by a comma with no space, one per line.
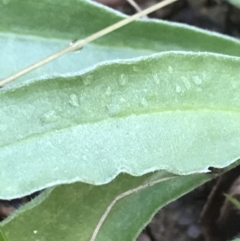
(82,42)
(122,195)
(135,5)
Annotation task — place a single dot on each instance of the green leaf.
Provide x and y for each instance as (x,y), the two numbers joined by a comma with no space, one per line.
(29,33)
(233,200)
(236,3)
(172,111)
(72,212)
(2,235)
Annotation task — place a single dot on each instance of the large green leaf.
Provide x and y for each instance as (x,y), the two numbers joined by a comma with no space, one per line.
(172,111)
(31,30)
(71,212)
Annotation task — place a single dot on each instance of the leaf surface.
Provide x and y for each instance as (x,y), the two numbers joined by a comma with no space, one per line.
(236,3)
(2,235)
(172,111)
(71,212)
(29,33)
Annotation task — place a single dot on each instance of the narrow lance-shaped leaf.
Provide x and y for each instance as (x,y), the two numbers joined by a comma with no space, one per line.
(29,33)
(233,200)
(172,111)
(72,212)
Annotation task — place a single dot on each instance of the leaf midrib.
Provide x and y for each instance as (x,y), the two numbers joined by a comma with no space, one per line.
(37,135)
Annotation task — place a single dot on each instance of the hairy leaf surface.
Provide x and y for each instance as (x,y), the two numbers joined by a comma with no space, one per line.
(172,111)
(32,30)
(71,212)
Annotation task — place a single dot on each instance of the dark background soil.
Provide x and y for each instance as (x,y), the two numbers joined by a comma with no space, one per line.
(179,221)
(215,15)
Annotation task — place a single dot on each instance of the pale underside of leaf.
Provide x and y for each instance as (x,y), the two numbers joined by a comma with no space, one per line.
(172,111)
(27,38)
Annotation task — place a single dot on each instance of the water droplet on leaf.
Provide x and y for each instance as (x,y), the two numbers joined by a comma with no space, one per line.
(113,110)
(234,85)
(49,117)
(178,89)
(73,100)
(170,69)
(108,91)
(122,100)
(123,80)
(197,80)
(186,83)
(144,102)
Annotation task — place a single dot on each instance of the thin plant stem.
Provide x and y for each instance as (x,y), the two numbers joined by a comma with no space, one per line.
(135,5)
(122,195)
(82,42)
